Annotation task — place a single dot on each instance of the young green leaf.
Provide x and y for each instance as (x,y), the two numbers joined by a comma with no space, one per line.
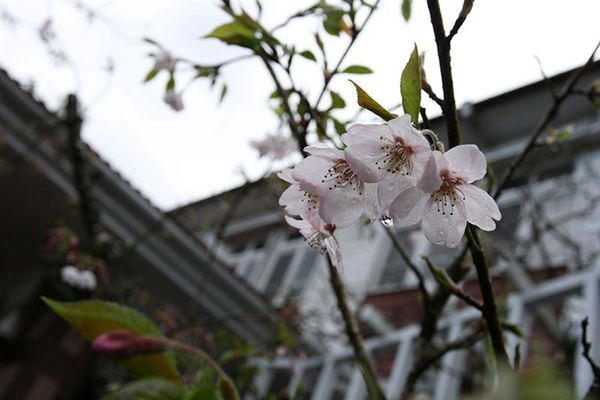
(439,274)
(367,102)
(406,9)
(235,33)
(170,83)
(332,23)
(357,69)
(308,55)
(91,318)
(151,74)
(410,86)
(339,126)
(337,101)
(223,93)
(147,389)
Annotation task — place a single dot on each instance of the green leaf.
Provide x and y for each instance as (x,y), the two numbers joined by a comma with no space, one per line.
(223,93)
(151,74)
(235,33)
(406,9)
(204,388)
(410,86)
(440,275)
(319,42)
(308,55)
(202,72)
(147,389)
(357,69)
(170,83)
(340,127)
(332,23)
(337,101)
(367,102)
(91,318)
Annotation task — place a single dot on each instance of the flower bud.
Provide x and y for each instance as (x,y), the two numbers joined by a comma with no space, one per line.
(122,343)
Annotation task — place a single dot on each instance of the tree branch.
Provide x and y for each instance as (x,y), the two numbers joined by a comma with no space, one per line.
(443,49)
(351,327)
(490,312)
(411,265)
(546,119)
(425,363)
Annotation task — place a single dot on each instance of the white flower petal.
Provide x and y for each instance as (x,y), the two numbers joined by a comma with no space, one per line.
(364,165)
(482,210)
(359,132)
(467,161)
(342,207)
(295,201)
(409,207)
(309,174)
(326,152)
(427,176)
(286,175)
(445,229)
(390,188)
(401,126)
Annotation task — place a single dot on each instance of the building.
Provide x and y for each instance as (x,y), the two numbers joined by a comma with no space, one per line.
(40,357)
(545,250)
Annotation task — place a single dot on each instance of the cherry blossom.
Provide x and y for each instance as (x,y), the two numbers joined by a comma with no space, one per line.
(376,151)
(173,100)
(446,210)
(319,236)
(327,174)
(275,147)
(80,279)
(164,61)
(295,200)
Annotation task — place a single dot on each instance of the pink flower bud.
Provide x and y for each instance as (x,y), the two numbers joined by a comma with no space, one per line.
(122,343)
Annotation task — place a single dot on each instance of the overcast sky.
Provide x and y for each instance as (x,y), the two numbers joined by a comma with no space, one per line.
(176,158)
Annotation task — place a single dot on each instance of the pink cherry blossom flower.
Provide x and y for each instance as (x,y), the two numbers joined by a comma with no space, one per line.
(446,210)
(295,200)
(275,147)
(319,236)
(164,61)
(173,100)
(327,174)
(376,151)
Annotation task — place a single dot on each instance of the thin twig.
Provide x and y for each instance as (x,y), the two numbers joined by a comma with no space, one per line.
(351,327)
(587,347)
(426,87)
(299,136)
(462,16)
(409,262)
(425,363)
(548,117)
(454,288)
(335,70)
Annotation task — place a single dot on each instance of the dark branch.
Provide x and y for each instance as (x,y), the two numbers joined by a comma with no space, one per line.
(548,117)
(351,327)
(413,267)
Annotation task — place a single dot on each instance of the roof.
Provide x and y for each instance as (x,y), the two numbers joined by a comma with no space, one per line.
(36,133)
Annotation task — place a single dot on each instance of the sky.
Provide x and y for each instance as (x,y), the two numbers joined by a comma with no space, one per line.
(176,158)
